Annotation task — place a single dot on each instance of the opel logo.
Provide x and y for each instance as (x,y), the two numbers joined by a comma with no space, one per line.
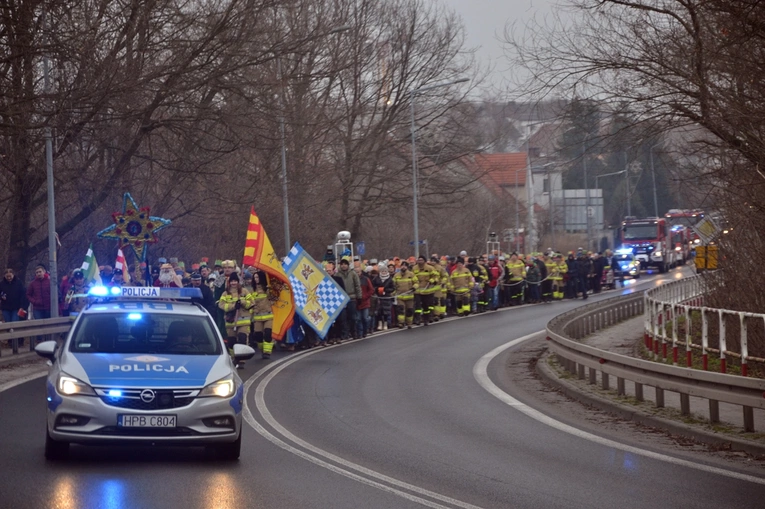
(147,395)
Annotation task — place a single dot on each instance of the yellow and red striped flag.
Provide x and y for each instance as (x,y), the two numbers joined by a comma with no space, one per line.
(259,253)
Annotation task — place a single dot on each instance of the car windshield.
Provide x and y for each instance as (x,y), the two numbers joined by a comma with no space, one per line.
(145,333)
(638,232)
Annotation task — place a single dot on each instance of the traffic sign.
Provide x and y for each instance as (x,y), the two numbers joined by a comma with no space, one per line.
(707,230)
(360,248)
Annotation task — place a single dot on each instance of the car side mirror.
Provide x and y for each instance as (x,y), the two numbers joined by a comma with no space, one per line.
(243,352)
(47,349)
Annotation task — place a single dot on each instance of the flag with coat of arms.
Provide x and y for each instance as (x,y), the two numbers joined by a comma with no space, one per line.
(318,298)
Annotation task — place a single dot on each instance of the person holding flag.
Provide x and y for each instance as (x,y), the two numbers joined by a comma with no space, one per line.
(259,253)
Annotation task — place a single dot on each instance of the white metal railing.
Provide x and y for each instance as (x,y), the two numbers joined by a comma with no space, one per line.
(566,330)
(668,304)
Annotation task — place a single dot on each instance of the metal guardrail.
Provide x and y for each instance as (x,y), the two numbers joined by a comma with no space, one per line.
(682,299)
(565,330)
(14,331)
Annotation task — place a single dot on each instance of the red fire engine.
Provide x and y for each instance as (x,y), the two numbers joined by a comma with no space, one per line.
(650,240)
(687,218)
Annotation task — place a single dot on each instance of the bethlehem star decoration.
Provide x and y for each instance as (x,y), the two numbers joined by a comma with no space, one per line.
(134,227)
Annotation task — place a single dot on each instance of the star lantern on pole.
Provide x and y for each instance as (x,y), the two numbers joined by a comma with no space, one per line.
(134,227)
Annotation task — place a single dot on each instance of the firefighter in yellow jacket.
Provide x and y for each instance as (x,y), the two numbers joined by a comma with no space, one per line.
(405,283)
(558,275)
(262,314)
(236,312)
(428,282)
(438,310)
(460,283)
(516,270)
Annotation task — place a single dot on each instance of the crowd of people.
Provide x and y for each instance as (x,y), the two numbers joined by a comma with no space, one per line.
(383,294)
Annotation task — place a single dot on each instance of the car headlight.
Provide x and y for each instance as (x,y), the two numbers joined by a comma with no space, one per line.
(71,386)
(657,253)
(223,388)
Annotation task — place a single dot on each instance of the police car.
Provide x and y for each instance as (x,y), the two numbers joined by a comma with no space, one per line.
(628,265)
(144,365)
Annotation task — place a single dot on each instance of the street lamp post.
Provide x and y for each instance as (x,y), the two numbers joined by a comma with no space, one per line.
(586,193)
(653,177)
(52,255)
(412,94)
(285,194)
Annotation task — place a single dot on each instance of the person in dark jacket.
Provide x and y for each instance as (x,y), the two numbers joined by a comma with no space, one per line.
(384,289)
(599,264)
(207,301)
(573,276)
(539,261)
(352,287)
(584,267)
(12,297)
(335,331)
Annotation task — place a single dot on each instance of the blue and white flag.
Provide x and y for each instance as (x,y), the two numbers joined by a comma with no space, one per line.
(318,299)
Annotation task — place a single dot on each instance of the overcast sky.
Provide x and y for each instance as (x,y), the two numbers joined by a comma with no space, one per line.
(485,22)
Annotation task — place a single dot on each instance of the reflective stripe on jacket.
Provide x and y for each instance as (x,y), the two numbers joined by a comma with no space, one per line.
(405,283)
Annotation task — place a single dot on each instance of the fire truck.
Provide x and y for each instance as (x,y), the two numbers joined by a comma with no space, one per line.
(650,240)
(687,218)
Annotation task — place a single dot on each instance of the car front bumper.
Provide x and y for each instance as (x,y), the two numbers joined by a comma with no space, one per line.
(102,422)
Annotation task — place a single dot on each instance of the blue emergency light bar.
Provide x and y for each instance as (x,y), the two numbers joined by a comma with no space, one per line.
(145,292)
(624,251)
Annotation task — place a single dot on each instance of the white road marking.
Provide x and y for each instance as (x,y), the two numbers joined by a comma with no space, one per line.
(268,417)
(263,409)
(480,373)
(22,380)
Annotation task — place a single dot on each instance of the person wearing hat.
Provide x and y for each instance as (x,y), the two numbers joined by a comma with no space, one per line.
(515,274)
(77,295)
(461,281)
(167,277)
(118,278)
(494,273)
(207,300)
(439,296)
(547,283)
(558,274)
(384,289)
(236,312)
(405,284)
(352,285)
(227,268)
(428,281)
(262,315)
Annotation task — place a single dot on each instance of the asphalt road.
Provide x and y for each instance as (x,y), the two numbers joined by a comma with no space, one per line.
(397,420)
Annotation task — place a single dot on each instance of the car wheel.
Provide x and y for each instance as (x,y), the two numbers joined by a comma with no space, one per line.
(55,450)
(230,452)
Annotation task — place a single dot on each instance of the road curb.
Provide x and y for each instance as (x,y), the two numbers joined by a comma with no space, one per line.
(631,413)
(19,358)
